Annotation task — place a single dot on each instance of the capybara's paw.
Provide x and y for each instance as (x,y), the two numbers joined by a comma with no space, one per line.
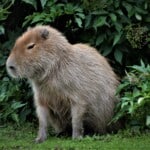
(77,136)
(77,133)
(40,139)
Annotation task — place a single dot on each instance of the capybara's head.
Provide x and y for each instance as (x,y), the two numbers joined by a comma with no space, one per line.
(33,52)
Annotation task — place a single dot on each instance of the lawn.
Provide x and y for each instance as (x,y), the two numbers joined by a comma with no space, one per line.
(22,138)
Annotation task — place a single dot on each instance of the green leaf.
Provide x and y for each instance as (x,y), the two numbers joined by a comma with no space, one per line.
(99,12)
(127,6)
(118,56)
(38,17)
(113,17)
(2,30)
(100,39)
(15,117)
(148,120)
(6,79)
(2,97)
(88,21)
(140,10)
(17,105)
(136,93)
(106,50)
(69,9)
(120,12)
(117,38)
(31,2)
(124,104)
(140,100)
(43,3)
(80,15)
(79,22)
(139,68)
(142,64)
(118,26)
(100,21)
(146,5)
(130,9)
(138,17)
(121,87)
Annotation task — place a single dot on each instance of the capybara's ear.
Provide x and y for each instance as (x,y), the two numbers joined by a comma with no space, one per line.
(44,33)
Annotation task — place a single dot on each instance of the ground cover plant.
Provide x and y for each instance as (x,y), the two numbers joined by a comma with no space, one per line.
(21,138)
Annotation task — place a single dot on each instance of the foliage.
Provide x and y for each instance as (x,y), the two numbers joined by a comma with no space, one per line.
(137,36)
(4,6)
(114,17)
(53,10)
(135,97)
(120,30)
(11,108)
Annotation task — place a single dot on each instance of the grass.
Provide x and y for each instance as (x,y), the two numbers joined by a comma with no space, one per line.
(22,138)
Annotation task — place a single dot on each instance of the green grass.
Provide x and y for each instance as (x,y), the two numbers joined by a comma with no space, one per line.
(22,138)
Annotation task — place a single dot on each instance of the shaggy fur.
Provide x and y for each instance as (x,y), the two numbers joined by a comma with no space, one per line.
(73,85)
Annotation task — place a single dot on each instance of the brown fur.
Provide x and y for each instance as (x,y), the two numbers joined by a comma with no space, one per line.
(72,84)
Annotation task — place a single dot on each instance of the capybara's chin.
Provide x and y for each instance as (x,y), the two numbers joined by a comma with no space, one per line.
(73,85)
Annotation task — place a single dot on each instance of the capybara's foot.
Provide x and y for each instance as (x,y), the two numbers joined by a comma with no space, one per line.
(40,139)
(77,135)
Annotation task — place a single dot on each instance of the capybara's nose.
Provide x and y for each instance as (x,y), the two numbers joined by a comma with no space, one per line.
(11,67)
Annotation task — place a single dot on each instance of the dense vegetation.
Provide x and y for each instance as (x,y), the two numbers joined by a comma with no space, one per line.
(120,30)
(135,98)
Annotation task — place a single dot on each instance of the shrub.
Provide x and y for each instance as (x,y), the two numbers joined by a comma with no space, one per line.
(135,97)
(14,105)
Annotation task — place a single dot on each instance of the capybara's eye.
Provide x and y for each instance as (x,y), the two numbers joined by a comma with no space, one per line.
(30,46)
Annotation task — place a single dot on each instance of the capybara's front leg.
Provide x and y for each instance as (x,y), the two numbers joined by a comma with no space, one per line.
(77,122)
(43,115)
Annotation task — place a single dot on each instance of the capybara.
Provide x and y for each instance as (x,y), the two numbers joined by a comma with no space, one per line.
(73,84)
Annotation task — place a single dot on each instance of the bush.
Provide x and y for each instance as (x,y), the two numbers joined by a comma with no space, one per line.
(135,97)
(14,105)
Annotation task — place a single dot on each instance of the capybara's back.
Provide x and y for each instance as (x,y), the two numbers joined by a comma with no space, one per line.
(73,85)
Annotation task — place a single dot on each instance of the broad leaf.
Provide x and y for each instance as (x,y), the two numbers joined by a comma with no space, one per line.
(31,2)
(113,17)
(118,55)
(43,2)
(138,17)
(2,30)
(100,21)
(100,39)
(79,22)
(106,50)
(17,105)
(148,120)
(15,117)
(117,38)
(88,20)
